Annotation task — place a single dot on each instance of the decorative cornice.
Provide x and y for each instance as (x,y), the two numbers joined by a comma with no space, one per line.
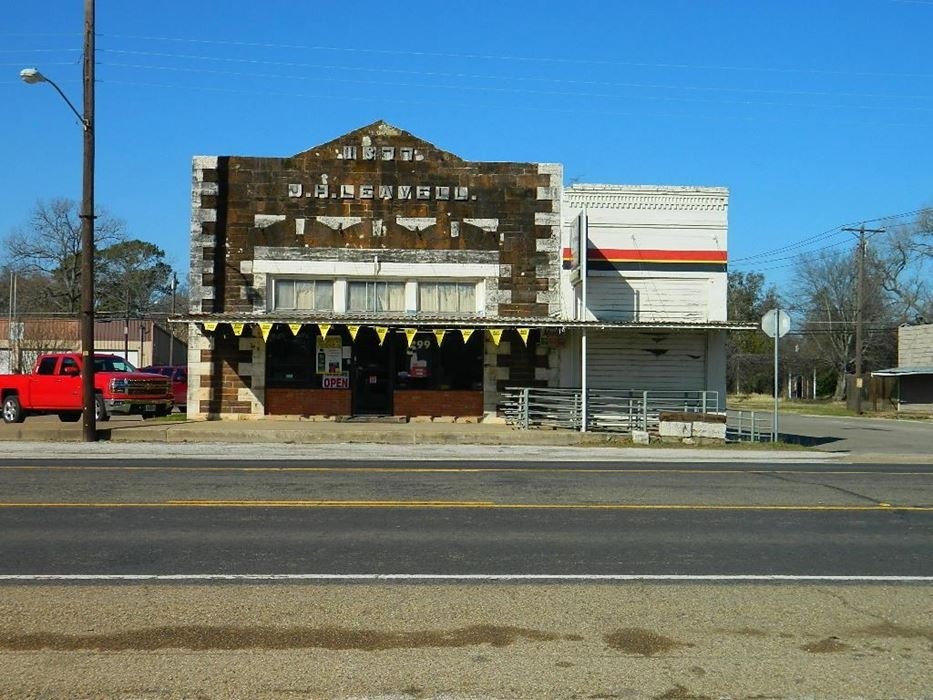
(647,198)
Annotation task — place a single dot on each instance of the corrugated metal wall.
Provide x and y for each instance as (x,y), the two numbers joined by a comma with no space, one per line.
(646,360)
(617,298)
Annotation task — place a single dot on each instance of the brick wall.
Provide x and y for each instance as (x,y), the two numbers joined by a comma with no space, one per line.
(329,199)
(308,402)
(223,382)
(915,346)
(438,403)
(244,203)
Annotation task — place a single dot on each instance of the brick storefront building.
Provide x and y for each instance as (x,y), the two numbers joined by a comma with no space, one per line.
(378,274)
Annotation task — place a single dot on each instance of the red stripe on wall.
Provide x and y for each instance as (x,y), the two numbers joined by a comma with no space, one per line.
(616,255)
(639,255)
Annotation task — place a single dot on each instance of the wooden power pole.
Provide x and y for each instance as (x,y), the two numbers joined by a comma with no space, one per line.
(859,308)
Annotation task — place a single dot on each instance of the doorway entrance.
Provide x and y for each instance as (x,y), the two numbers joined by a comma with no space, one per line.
(372,380)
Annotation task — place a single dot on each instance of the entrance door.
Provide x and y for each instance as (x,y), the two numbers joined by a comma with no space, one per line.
(372,380)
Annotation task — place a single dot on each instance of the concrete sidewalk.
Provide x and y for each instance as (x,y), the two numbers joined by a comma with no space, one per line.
(854,440)
(308,439)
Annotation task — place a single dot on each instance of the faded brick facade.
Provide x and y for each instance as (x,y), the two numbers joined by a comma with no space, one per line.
(376,203)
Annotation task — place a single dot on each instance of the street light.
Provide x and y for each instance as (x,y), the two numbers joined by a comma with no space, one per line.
(32,76)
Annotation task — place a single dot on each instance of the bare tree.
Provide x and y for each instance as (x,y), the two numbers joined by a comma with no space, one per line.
(824,295)
(50,245)
(904,259)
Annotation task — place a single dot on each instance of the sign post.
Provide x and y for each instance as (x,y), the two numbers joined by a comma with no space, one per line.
(775,324)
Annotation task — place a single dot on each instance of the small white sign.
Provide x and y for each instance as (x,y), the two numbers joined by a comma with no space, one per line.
(775,323)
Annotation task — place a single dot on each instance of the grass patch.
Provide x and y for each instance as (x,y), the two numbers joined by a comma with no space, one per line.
(170,418)
(817,407)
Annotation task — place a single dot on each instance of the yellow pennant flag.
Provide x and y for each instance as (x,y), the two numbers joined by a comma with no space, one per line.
(325,327)
(264,329)
(295,327)
(523,334)
(439,333)
(237,328)
(496,334)
(467,333)
(210,326)
(381,332)
(410,334)
(353,331)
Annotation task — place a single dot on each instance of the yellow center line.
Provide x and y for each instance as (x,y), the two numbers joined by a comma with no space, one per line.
(459,470)
(490,505)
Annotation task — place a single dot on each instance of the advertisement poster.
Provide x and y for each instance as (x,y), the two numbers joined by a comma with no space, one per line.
(330,355)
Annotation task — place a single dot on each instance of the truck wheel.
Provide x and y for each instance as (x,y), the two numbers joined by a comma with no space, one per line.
(162,411)
(69,416)
(12,411)
(100,410)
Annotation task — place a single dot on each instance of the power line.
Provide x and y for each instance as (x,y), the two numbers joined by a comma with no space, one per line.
(504,90)
(519,107)
(515,58)
(829,233)
(40,50)
(476,76)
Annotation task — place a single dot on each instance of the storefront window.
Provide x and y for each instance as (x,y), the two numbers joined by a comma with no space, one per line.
(290,360)
(447,297)
(454,365)
(311,295)
(375,296)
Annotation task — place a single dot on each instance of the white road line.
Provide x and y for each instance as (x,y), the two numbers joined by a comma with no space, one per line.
(464,577)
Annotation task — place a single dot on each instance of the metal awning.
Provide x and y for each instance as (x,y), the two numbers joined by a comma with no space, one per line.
(422,321)
(902,371)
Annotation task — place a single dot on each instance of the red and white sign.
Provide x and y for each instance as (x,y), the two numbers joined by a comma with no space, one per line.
(335,381)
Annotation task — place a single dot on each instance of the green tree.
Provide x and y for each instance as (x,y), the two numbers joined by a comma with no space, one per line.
(132,278)
(748,368)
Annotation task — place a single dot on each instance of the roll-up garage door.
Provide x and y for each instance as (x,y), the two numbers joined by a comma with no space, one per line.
(646,360)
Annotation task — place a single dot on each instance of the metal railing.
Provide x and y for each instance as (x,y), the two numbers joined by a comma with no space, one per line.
(606,410)
(749,426)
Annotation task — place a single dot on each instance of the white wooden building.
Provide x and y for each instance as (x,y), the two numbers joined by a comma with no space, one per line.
(650,293)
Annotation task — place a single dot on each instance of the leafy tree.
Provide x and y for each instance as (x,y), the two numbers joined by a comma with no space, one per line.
(748,365)
(132,277)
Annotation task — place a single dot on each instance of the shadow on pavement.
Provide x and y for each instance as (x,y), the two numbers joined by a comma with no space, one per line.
(809,440)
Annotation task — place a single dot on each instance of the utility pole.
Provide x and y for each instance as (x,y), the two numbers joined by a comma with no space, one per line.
(171,330)
(859,308)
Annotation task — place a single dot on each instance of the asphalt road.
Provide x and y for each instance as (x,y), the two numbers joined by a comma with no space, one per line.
(861,435)
(132,517)
(409,638)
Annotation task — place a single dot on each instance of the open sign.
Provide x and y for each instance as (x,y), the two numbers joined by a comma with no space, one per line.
(335,381)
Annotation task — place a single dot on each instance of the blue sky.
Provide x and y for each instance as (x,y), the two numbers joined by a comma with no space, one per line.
(813,113)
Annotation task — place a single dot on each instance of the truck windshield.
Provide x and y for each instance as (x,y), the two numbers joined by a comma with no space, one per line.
(112,364)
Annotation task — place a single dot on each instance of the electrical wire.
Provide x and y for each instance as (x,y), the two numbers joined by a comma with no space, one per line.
(515,58)
(829,233)
(502,90)
(476,76)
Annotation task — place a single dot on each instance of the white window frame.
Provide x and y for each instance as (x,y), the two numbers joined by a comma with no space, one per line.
(295,281)
(474,284)
(374,282)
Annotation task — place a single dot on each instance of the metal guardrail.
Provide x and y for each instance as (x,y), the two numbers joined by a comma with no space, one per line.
(606,410)
(624,411)
(749,426)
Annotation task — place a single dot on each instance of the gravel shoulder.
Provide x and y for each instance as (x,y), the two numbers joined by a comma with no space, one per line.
(465,641)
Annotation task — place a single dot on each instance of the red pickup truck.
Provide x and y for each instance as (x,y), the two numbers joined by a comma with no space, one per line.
(54,386)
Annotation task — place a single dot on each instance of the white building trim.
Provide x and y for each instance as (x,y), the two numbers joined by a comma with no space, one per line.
(333,268)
